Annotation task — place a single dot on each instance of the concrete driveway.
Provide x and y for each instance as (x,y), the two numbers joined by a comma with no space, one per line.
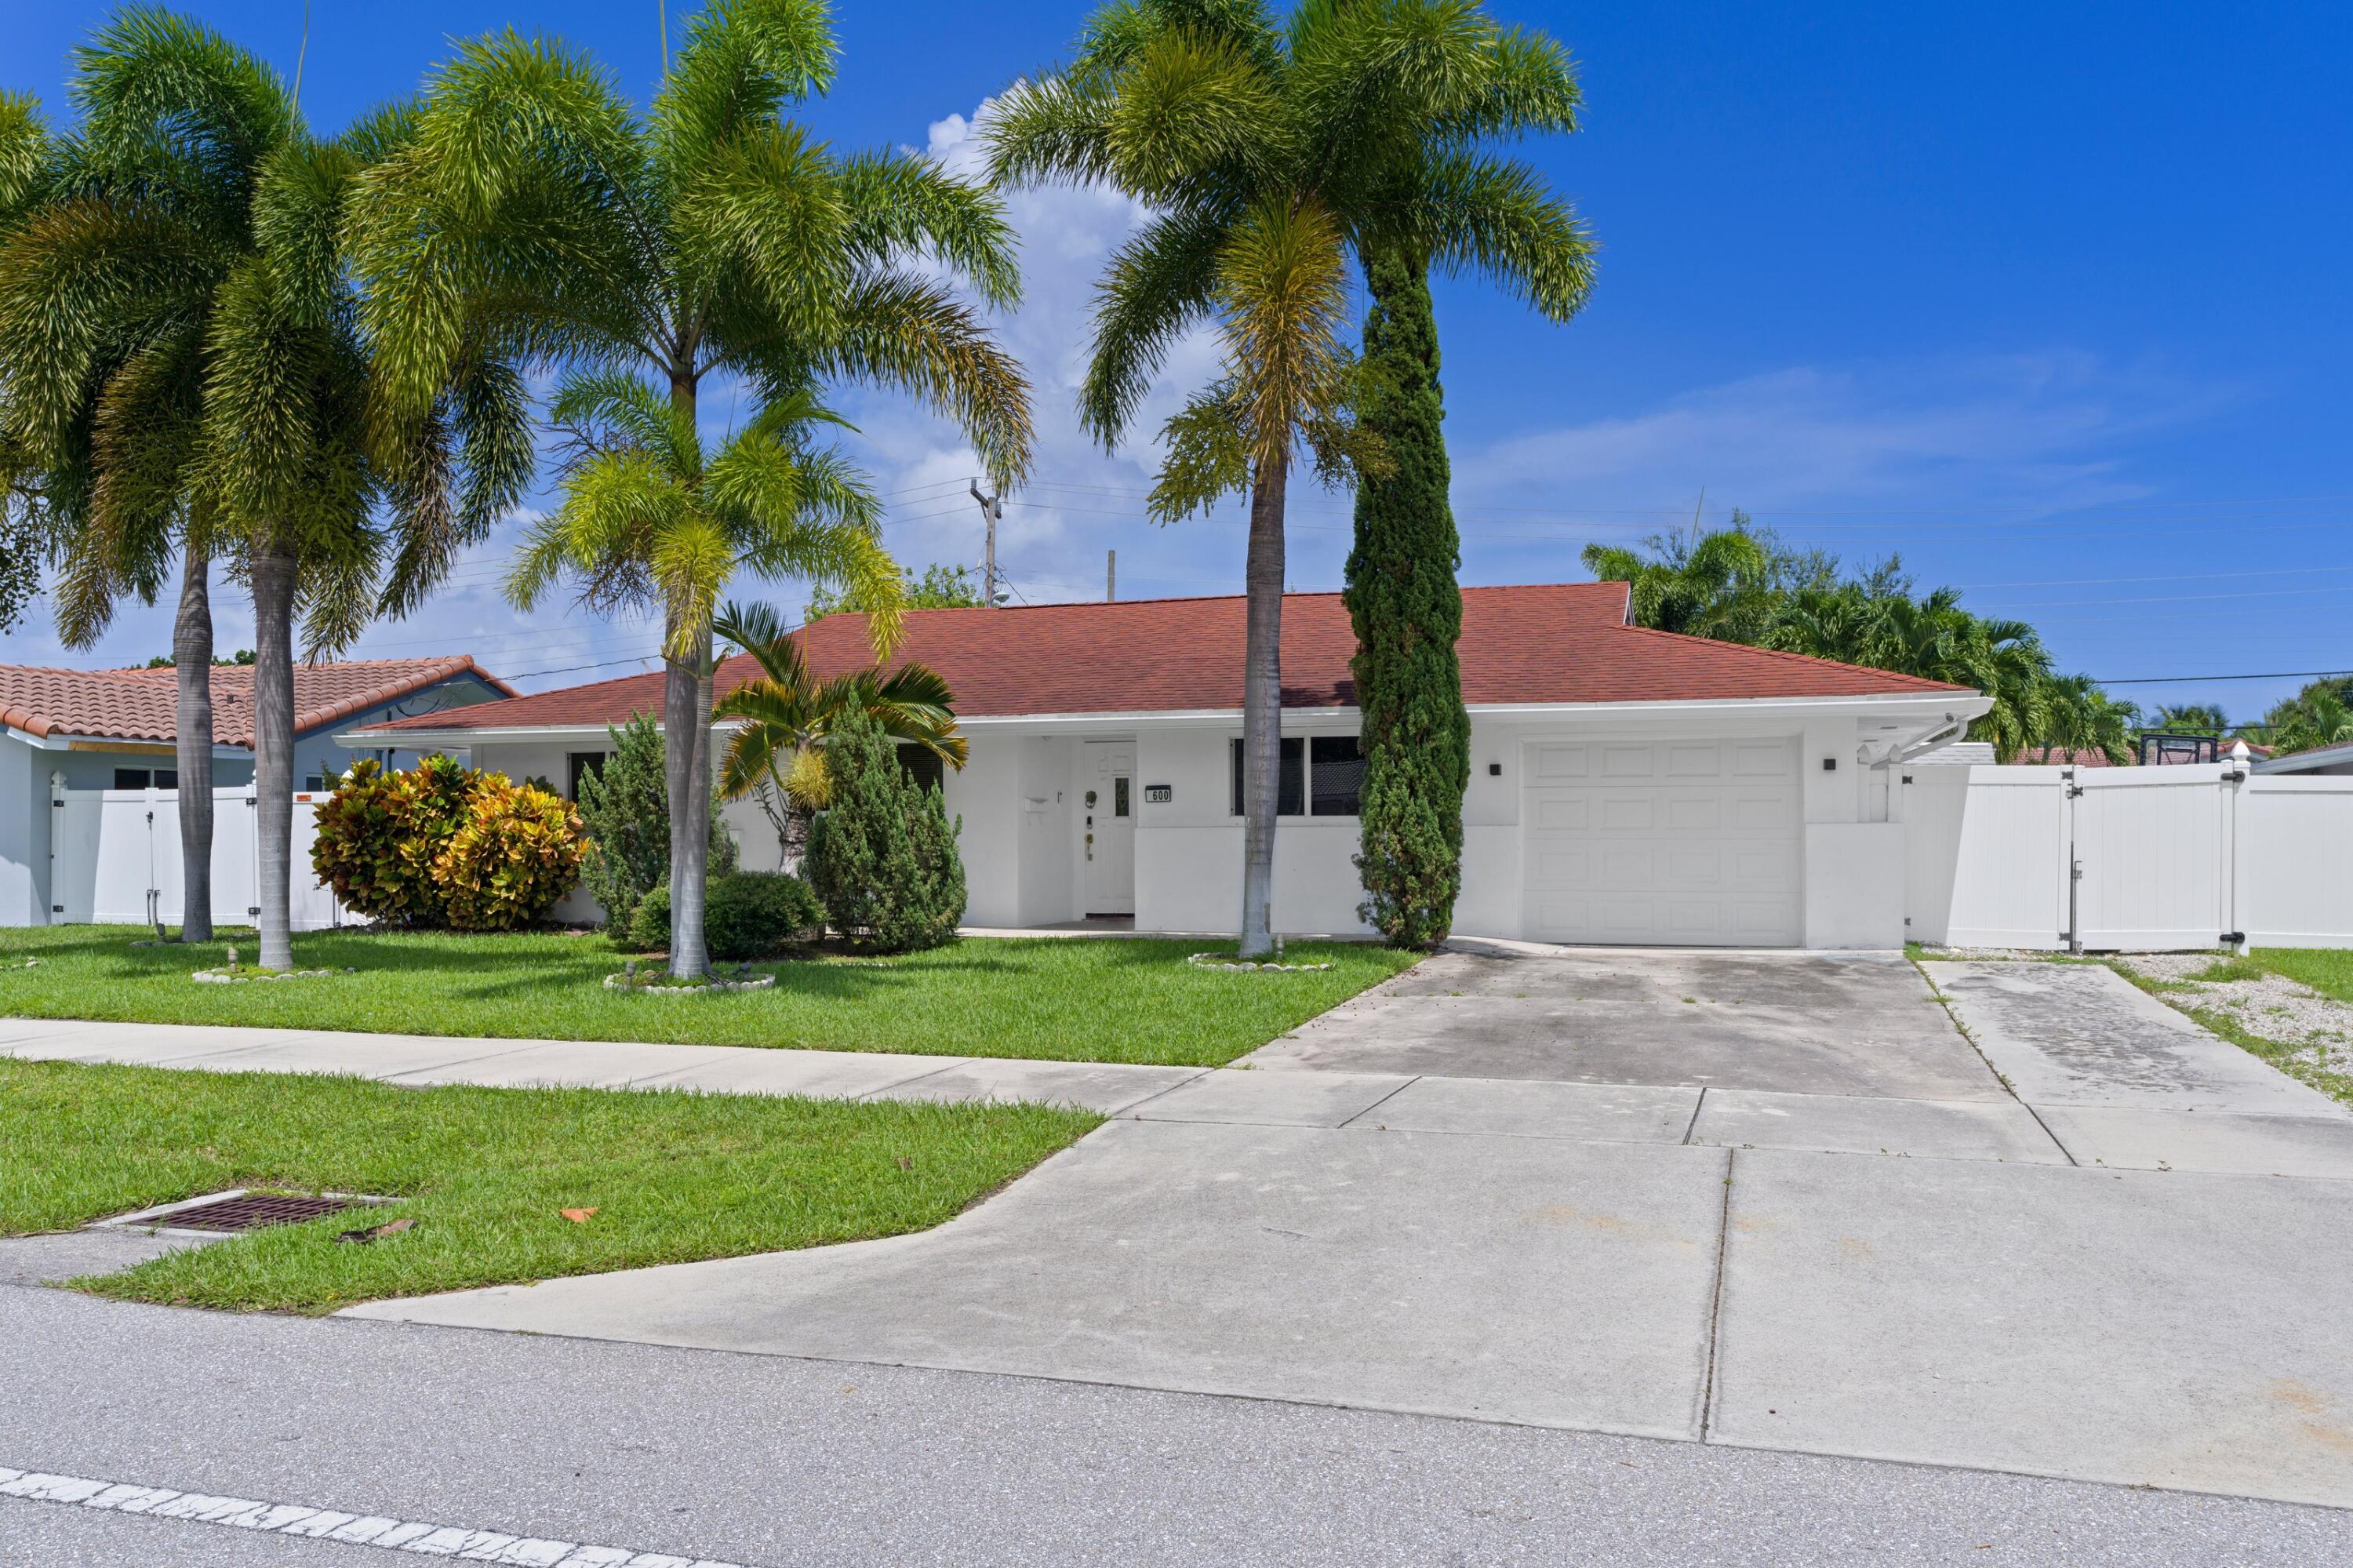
(1798,1210)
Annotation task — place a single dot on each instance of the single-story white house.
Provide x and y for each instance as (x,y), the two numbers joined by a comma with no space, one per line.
(1628,786)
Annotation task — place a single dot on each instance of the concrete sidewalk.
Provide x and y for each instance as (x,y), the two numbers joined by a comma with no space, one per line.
(420,1060)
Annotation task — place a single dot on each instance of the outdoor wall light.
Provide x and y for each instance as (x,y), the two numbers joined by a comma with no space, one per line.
(1829,764)
(1494,771)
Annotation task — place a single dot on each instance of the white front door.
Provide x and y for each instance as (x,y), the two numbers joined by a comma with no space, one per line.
(1673,842)
(1107,820)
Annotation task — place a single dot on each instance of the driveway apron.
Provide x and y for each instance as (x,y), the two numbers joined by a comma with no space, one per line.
(1771,1200)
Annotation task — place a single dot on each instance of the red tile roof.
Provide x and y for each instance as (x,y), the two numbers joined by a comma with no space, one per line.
(1565,642)
(141,705)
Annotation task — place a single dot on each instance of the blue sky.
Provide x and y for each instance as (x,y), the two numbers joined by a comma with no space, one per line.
(2049,298)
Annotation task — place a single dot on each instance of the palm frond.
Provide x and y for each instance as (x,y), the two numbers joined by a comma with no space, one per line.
(743,61)
(1159,284)
(912,335)
(900,204)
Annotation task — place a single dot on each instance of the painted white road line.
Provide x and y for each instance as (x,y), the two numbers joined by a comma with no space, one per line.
(328,1524)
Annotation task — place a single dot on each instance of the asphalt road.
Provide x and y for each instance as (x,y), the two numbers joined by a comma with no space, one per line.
(773,1460)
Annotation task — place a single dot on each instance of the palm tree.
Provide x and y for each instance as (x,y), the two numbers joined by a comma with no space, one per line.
(2196,718)
(535,212)
(787,716)
(1271,156)
(112,295)
(2318,716)
(184,359)
(1931,637)
(25,164)
(1718,584)
(2080,717)
(650,522)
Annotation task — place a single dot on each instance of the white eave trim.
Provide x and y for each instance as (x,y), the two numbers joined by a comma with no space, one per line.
(1960,704)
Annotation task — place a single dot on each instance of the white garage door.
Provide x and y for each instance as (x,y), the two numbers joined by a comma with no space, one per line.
(1667,843)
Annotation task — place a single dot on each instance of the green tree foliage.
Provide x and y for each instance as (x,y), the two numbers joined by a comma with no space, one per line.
(1727,583)
(883,858)
(2320,714)
(533,203)
(2190,718)
(1270,152)
(787,716)
(624,810)
(1742,585)
(181,343)
(2079,716)
(753,915)
(442,845)
(940,587)
(1407,609)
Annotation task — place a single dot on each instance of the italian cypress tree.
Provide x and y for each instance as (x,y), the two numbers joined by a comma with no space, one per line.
(1408,611)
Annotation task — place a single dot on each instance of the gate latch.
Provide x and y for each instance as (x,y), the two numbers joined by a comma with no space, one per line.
(2233,938)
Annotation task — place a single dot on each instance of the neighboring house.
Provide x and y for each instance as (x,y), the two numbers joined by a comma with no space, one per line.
(115,729)
(2327,761)
(1628,786)
(2063,756)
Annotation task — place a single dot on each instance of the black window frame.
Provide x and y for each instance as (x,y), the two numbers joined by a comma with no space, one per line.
(1290,777)
(576,763)
(1327,752)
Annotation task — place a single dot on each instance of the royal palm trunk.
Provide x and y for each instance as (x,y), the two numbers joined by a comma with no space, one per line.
(686,771)
(192,654)
(1262,707)
(273,753)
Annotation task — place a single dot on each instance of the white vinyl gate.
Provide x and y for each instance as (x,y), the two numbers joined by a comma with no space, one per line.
(2130,858)
(114,859)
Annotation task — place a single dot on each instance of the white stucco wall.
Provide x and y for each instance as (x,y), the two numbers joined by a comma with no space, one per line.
(1020,821)
(1188,849)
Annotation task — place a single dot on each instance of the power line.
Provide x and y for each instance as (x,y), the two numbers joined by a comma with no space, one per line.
(2275,675)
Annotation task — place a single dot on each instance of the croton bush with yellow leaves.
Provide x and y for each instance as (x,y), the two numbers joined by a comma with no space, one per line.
(442,845)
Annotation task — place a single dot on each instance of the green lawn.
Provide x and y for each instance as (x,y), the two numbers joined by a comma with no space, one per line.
(2328,970)
(1064,999)
(485,1174)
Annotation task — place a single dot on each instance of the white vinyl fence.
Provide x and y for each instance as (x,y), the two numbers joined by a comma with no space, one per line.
(114,859)
(2127,858)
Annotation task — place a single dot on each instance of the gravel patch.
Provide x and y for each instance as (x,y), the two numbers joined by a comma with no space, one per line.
(2317,1030)
(2271,1007)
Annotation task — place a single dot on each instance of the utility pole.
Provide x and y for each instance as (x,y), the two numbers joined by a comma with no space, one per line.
(1111,575)
(992,508)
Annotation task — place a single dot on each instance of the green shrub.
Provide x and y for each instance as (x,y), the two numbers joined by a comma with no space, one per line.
(379,834)
(883,858)
(518,850)
(440,844)
(746,915)
(625,806)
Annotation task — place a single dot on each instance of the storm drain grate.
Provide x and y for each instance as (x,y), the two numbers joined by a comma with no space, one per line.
(251,1212)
